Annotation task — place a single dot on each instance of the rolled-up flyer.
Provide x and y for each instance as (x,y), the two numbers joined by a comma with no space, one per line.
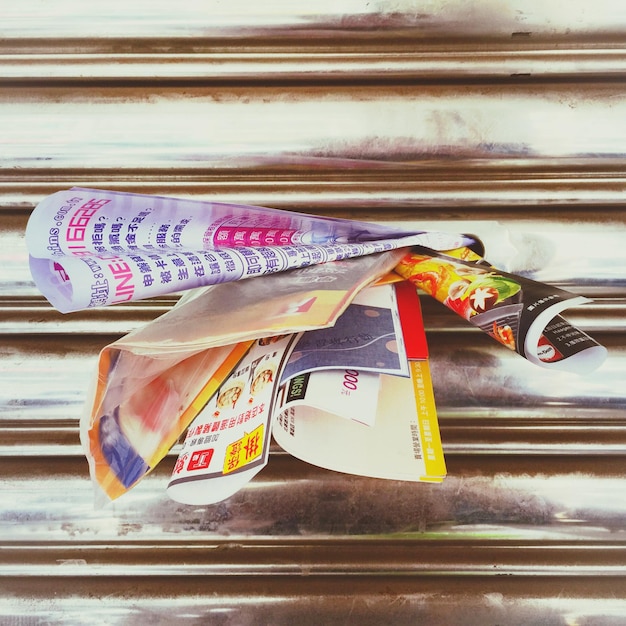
(520,313)
(91,248)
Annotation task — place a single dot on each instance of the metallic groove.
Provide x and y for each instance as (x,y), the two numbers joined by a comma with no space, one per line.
(291,64)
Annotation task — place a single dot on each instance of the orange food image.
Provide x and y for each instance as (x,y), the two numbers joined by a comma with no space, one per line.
(432,276)
(504,334)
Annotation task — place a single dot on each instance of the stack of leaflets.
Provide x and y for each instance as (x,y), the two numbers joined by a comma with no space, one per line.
(324,351)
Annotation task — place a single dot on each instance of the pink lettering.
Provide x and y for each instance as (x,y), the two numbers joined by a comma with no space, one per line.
(123,277)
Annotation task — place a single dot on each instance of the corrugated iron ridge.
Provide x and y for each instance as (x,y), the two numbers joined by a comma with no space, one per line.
(386,65)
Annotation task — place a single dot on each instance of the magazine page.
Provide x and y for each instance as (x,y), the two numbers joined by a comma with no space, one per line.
(402,442)
(367,336)
(301,299)
(520,313)
(82,221)
(228,442)
(141,406)
(90,248)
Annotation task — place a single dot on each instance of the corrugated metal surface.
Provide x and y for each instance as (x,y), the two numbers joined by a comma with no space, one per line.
(505,118)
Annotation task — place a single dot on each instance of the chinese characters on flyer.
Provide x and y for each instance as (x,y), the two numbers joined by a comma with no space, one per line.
(94,248)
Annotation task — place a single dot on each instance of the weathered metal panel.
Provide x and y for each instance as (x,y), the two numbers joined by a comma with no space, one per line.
(504,118)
